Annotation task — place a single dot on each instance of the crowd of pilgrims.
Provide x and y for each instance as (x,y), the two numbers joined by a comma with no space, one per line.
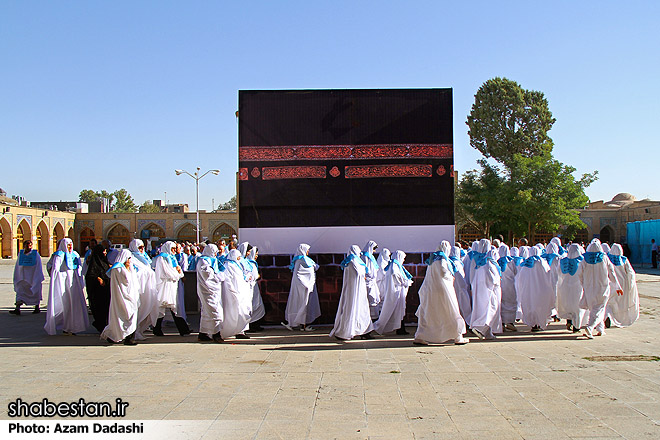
(479,292)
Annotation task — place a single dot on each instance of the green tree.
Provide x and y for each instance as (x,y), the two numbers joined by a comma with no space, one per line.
(228,206)
(149,207)
(506,120)
(88,196)
(478,196)
(124,202)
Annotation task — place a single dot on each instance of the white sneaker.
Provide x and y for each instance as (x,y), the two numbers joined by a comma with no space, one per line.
(461,341)
(587,333)
(287,326)
(307,329)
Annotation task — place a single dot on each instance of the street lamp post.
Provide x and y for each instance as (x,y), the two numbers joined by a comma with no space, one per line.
(197,178)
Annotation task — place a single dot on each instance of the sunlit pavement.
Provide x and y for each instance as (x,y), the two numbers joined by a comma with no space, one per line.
(280,384)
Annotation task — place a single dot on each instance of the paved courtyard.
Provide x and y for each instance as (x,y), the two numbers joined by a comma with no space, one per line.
(279,384)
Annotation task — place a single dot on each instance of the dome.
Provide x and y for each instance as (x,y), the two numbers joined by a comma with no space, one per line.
(623,197)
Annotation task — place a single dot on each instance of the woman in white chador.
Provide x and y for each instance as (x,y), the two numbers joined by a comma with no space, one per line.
(439,317)
(535,290)
(209,291)
(509,269)
(486,316)
(353,317)
(596,275)
(28,275)
(460,285)
(569,289)
(168,274)
(302,306)
(236,299)
(146,277)
(252,275)
(623,310)
(383,260)
(67,309)
(373,270)
(395,289)
(124,298)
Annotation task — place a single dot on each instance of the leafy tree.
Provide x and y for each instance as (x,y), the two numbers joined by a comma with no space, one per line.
(478,196)
(506,120)
(228,206)
(88,196)
(149,207)
(124,201)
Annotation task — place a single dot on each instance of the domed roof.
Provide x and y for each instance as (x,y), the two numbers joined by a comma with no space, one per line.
(623,197)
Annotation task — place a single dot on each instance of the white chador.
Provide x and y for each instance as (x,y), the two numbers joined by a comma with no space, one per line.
(383,260)
(509,269)
(67,309)
(535,290)
(353,317)
(302,306)
(569,289)
(124,298)
(596,274)
(438,314)
(167,279)
(146,277)
(468,264)
(395,289)
(252,275)
(182,260)
(28,275)
(486,292)
(460,285)
(373,270)
(623,310)
(236,297)
(209,291)
(552,256)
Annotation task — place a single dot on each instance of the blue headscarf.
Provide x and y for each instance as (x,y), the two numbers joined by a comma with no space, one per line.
(394,260)
(72,258)
(594,257)
(165,253)
(354,255)
(616,255)
(438,256)
(301,254)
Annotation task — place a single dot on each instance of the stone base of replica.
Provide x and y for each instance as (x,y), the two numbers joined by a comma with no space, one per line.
(275,283)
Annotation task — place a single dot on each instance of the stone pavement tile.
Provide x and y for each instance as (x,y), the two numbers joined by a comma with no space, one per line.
(152,408)
(390,425)
(650,410)
(233,429)
(283,430)
(338,428)
(467,421)
(634,427)
(591,431)
(244,409)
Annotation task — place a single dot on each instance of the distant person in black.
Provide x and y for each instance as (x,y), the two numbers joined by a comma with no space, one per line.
(654,253)
(98,287)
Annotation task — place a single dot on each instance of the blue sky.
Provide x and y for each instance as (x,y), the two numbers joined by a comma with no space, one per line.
(105,95)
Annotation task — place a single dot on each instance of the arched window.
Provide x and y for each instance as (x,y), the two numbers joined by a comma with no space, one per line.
(22,233)
(223,231)
(152,231)
(607,234)
(86,236)
(42,239)
(119,235)
(58,234)
(5,238)
(187,233)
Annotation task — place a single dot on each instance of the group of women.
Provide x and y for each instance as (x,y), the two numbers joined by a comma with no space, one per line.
(483,291)
(490,287)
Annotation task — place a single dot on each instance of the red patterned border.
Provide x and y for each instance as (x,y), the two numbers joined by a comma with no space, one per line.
(273,173)
(366,171)
(316,152)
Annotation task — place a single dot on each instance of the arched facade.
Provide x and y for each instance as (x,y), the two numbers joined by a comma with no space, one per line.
(58,234)
(118,234)
(187,233)
(23,232)
(43,239)
(223,230)
(607,234)
(152,231)
(5,238)
(86,236)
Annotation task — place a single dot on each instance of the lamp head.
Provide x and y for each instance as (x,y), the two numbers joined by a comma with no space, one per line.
(178,172)
(216,172)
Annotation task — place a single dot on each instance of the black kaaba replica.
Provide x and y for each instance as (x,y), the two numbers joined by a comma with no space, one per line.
(332,168)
